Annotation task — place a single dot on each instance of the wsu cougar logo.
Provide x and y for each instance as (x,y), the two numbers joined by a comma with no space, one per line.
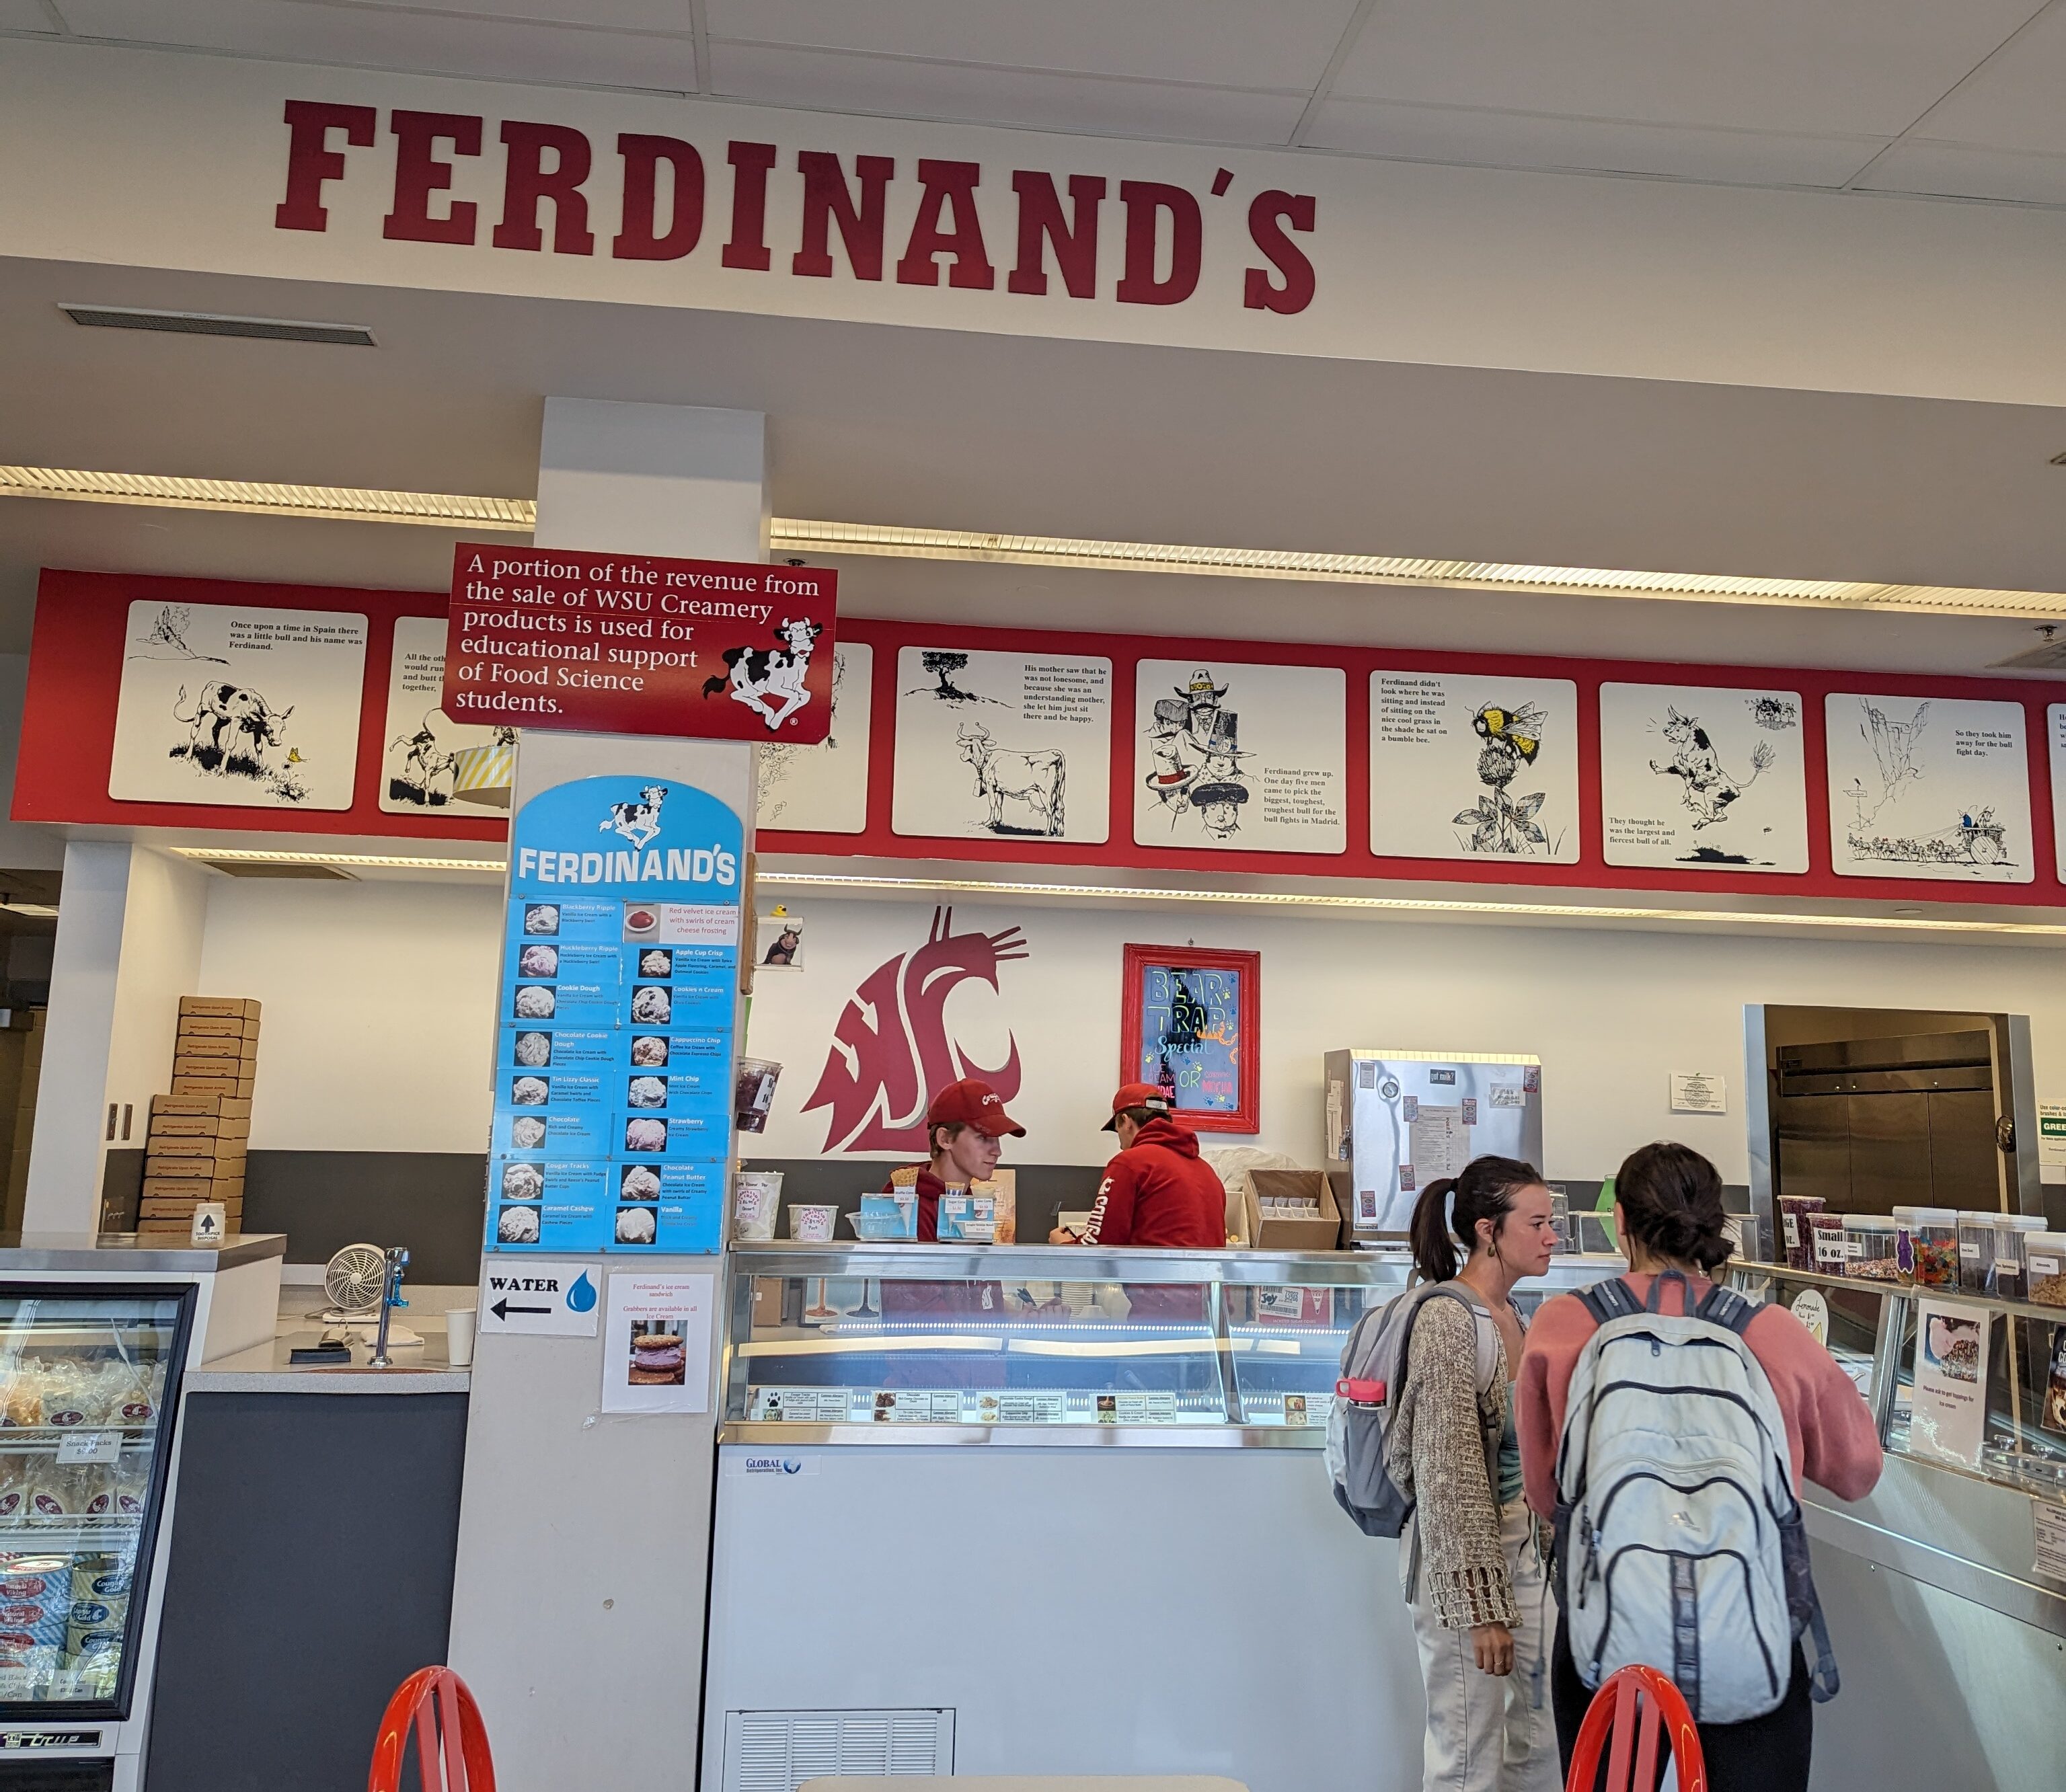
(890,1049)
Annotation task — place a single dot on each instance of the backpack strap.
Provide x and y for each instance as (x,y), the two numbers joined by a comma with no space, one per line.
(1654,1304)
(1822,1681)
(1726,1307)
(1609,1300)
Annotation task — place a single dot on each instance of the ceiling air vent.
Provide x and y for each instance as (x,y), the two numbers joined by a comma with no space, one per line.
(275,867)
(2048,655)
(211,323)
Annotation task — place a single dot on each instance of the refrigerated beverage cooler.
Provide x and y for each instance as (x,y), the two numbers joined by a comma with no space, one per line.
(1400,1120)
(90,1378)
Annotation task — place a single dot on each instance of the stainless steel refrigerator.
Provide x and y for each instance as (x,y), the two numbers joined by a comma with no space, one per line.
(1401,1119)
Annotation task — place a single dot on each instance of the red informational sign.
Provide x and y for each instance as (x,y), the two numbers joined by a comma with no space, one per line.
(628,644)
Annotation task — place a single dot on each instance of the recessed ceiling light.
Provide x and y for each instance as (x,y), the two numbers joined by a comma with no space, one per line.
(2058,460)
(224,857)
(217,323)
(42,910)
(265,498)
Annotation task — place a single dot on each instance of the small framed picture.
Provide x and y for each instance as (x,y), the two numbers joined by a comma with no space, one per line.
(1191,1023)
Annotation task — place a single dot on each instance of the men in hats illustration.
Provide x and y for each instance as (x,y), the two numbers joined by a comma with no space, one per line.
(1219,807)
(1172,774)
(1195,746)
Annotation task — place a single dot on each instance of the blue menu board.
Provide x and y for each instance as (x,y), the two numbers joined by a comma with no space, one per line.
(613,1054)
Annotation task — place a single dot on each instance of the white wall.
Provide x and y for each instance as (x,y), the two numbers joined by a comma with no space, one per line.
(23,846)
(379,997)
(380,1008)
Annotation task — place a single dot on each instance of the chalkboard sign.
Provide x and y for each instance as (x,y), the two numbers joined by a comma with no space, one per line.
(1190,1021)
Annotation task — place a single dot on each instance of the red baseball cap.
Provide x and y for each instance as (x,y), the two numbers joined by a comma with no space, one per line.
(975,1104)
(1138,1094)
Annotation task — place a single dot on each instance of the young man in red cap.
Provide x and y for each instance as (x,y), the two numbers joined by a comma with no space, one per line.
(966,1128)
(1158,1190)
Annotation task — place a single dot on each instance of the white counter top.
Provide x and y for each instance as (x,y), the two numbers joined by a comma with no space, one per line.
(419,1368)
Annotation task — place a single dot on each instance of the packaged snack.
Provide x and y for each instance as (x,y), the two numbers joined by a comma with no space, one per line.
(65,1393)
(53,1494)
(24,1392)
(1825,1232)
(14,1489)
(132,1487)
(93,1490)
(2044,1268)
(1794,1211)
(137,1392)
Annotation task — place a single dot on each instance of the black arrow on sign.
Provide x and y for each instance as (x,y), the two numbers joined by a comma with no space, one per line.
(502,1309)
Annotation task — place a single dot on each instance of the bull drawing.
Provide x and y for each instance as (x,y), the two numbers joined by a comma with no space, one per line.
(769,681)
(639,822)
(425,763)
(229,722)
(1039,780)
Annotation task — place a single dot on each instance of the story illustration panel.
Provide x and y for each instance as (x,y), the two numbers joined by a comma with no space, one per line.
(823,788)
(253,708)
(1472,765)
(1001,745)
(1936,787)
(1234,757)
(421,757)
(1703,777)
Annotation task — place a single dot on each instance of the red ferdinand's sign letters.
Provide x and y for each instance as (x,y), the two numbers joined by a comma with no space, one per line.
(625,644)
(665,204)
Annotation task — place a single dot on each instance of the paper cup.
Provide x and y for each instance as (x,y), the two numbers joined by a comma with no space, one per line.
(755,1199)
(811,1225)
(459,1336)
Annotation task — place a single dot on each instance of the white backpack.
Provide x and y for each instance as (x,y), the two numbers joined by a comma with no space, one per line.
(1679,1538)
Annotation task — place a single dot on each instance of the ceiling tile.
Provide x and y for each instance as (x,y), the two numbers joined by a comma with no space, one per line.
(823,81)
(26,15)
(376,39)
(2013,103)
(1225,42)
(1526,140)
(1867,67)
(1954,170)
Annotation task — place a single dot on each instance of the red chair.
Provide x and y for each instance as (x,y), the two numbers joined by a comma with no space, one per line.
(434,1703)
(1633,1707)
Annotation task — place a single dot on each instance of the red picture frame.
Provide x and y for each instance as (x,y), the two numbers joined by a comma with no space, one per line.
(1191,1019)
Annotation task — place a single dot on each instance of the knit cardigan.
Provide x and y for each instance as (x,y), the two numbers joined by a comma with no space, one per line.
(1436,1454)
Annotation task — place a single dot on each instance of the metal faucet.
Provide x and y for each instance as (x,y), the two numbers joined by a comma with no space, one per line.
(391,1298)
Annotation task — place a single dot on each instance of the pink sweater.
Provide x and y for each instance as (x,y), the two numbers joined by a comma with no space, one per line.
(1830,1428)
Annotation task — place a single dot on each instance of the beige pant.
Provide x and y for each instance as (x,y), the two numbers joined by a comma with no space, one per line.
(1486,1733)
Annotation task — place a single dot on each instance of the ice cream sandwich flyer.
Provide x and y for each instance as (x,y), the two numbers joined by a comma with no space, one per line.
(613,1122)
(656,1343)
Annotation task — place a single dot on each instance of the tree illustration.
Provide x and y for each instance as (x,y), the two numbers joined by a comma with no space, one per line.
(943,667)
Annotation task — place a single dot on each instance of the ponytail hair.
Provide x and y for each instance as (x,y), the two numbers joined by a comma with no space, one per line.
(1671,1202)
(1485,1190)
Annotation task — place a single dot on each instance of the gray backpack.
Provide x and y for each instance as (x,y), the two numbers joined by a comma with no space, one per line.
(1373,1377)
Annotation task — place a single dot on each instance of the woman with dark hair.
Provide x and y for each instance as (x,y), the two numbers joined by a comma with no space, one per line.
(1668,1216)
(1469,1560)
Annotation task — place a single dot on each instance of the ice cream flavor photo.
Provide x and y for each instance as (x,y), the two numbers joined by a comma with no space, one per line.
(657,1355)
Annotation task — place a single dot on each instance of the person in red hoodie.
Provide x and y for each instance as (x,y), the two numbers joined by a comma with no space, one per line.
(1668,1214)
(1157,1191)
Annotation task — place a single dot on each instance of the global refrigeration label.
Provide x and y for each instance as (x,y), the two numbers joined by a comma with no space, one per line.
(613,1096)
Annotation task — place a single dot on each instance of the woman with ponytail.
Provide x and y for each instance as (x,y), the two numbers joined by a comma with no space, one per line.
(1469,1560)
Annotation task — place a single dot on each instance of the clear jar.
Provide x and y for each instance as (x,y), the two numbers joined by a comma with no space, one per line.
(1904,1244)
(2012,1234)
(2044,1268)
(1869,1248)
(1825,1232)
(1976,1252)
(1794,1213)
(1936,1244)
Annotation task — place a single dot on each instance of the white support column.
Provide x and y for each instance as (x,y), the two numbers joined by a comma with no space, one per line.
(583,1537)
(128,947)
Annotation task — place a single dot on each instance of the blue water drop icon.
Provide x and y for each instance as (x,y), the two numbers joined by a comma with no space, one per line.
(580,1297)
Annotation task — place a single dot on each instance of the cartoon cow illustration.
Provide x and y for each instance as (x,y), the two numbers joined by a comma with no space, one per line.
(228,720)
(1037,779)
(639,822)
(769,681)
(1709,788)
(425,763)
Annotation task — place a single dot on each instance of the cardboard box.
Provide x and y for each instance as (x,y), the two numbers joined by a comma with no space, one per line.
(158,1168)
(197,1126)
(221,1106)
(186,1046)
(216,1026)
(217,1150)
(237,1007)
(186,1082)
(1319,1233)
(171,1207)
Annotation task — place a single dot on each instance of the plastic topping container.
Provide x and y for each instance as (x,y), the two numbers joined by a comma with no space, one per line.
(1832,1255)
(1794,1213)
(1976,1252)
(1904,1242)
(1936,1246)
(2012,1233)
(1869,1248)
(2044,1268)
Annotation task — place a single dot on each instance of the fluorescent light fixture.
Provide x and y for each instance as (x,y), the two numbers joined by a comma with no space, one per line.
(1513,913)
(797,535)
(216,323)
(336,504)
(792,535)
(397,861)
(41,910)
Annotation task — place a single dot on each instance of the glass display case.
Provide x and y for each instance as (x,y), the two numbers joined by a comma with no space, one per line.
(89,1380)
(1044,1343)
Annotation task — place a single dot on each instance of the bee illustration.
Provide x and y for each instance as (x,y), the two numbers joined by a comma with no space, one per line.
(1520,730)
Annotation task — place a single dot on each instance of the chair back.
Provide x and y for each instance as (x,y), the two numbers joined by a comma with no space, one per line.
(1636,1710)
(451,1742)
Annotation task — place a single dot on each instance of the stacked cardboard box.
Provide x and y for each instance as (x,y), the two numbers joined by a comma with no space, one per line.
(195,1153)
(217,1050)
(199,1133)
